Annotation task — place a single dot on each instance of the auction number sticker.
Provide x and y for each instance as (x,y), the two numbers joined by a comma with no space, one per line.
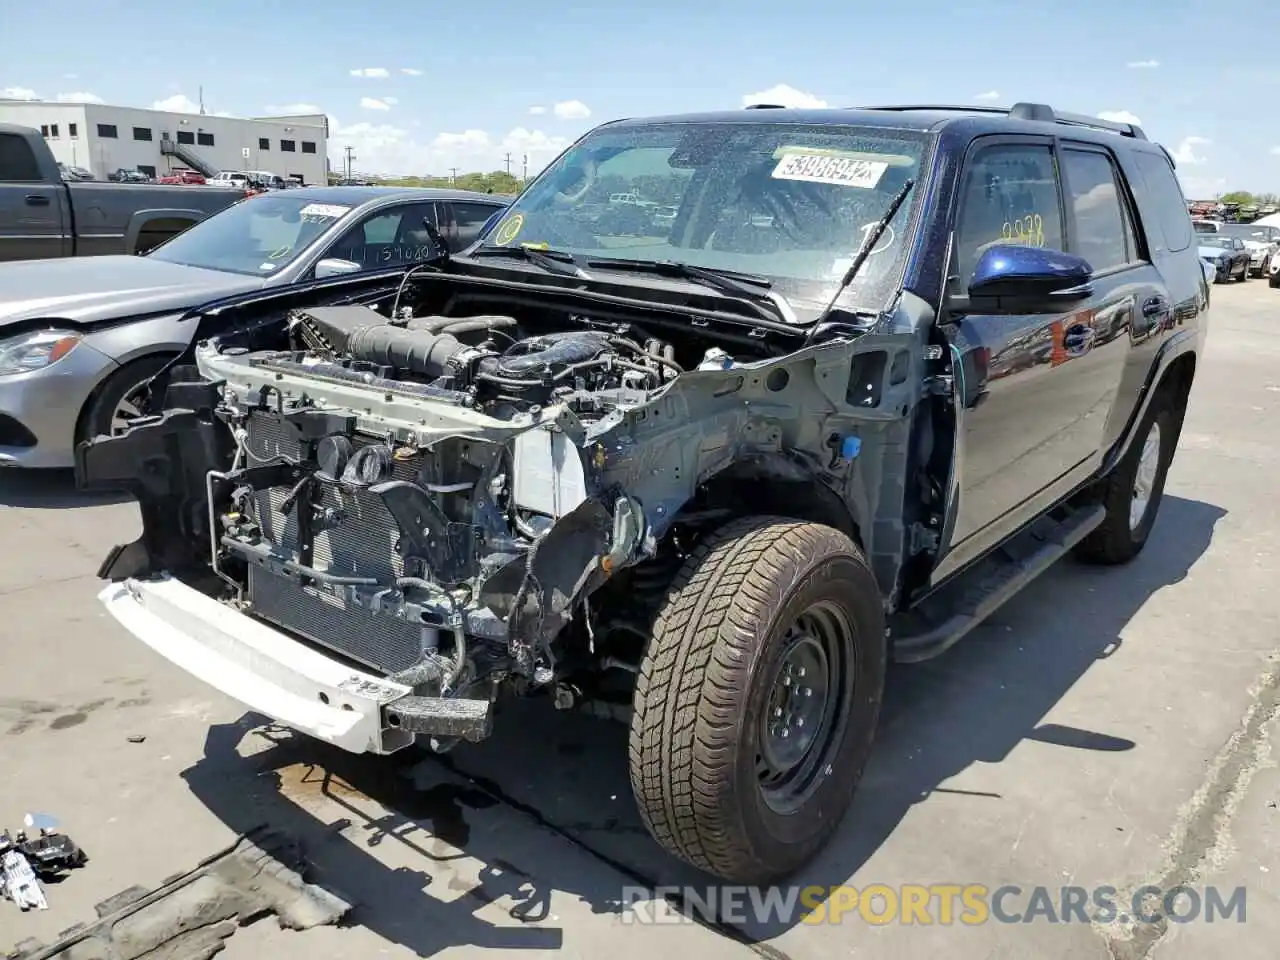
(323,211)
(508,229)
(824,168)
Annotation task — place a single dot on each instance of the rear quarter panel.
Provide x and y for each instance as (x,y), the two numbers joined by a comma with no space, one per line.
(1183,276)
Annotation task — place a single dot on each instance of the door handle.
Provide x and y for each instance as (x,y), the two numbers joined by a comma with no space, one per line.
(37,200)
(1154,307)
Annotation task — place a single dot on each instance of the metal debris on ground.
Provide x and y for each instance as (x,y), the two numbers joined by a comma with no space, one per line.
(25,860)
(190,915)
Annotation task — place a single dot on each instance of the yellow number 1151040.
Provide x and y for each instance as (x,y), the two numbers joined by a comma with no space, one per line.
(1027,231)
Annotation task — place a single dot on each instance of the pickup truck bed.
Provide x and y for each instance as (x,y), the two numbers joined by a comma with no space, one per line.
(42,215)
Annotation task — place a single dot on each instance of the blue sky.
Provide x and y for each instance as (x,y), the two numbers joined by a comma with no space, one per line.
(461,85)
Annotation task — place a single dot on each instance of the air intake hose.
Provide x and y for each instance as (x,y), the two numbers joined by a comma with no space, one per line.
(412,351)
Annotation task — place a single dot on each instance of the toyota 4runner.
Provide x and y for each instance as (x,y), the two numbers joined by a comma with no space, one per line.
(713,471)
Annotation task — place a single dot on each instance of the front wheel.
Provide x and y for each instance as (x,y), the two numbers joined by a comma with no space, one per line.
(117,401)
(757,698)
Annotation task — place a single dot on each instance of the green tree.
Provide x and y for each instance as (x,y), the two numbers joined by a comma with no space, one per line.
(1242,197)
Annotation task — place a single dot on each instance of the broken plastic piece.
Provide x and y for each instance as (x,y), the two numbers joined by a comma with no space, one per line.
(18,882)
(850,447)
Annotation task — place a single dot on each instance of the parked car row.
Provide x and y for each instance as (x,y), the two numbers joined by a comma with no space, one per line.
(1236,250)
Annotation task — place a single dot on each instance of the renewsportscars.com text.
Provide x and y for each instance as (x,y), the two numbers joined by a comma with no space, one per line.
(929,904)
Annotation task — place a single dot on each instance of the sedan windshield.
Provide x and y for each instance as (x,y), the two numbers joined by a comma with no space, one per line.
(1216,240)
(787,202)
(257,236)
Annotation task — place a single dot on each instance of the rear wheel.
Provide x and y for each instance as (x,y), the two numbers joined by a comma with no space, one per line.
(757,698)
(1132,492)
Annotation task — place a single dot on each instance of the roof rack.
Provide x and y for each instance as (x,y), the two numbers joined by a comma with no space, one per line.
(764,106)
(1040,112)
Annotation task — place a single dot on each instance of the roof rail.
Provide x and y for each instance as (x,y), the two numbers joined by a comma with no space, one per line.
(764,106)
(1040,112)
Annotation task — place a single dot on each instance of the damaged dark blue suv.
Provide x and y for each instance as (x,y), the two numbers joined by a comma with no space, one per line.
(726,412)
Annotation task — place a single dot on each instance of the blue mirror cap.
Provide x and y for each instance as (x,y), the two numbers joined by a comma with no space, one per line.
(1014,262)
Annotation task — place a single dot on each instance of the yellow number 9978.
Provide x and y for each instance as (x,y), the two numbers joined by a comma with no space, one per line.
(1026,231)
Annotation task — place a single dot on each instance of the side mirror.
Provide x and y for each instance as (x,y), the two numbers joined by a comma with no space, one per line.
(1017,279)
(335,267)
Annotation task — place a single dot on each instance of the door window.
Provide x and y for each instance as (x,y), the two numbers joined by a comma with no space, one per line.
(1010,196)
(393,238)
(1103,236)
(17,160)
(468,220)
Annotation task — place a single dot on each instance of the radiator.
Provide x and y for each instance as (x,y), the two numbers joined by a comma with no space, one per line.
(364,546)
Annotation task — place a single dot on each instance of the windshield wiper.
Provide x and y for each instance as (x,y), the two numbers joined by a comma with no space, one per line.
(868,244)
(755,289)
(553,261)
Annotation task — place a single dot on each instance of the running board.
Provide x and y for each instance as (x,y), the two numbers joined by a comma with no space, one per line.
(997,586)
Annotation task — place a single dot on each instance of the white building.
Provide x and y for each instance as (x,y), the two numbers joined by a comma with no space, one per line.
(104,138)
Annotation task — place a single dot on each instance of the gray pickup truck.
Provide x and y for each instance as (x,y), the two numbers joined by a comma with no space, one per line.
(43,215)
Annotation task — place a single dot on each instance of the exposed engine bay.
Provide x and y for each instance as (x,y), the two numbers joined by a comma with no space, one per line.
(459,503)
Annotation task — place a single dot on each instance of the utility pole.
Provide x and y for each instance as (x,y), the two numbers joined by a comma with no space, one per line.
(508,164)
(453,175)
(351,155)
(524,173)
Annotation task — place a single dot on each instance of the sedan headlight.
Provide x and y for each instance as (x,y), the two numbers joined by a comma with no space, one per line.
(35,351)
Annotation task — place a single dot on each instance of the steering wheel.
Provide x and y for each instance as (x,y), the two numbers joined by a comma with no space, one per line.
(589,175)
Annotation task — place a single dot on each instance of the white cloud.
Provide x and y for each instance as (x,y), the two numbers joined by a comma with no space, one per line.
(571,110)
(537,111)
(17,93)
(1143,64)
(369,103)
(388,149)
(1119,116)
(785,96)
(178,103)
(391,100)
(291,109)
(988,96)
(1185,153)
(411,71)
(466,143)
(79,96)
(372,73)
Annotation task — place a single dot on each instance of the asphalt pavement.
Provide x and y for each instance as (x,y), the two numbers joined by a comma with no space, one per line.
(1108,728)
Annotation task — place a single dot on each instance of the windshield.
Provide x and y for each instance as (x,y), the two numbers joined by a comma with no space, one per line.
(785,201)
(1215,240)
(256,236)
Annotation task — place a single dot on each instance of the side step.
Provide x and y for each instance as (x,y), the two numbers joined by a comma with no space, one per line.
(1004,577)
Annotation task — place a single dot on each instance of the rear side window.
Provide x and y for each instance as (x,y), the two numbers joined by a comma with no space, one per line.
(17,160)
(1102,233)
(1010,195)
(1172,218)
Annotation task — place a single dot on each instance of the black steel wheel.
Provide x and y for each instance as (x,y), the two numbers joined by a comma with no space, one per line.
(757,698)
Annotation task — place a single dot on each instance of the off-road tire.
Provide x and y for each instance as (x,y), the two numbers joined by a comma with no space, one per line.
(704,682)
(96,418)
(1116,541)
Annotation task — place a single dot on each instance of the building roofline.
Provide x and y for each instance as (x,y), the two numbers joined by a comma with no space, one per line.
(291,117)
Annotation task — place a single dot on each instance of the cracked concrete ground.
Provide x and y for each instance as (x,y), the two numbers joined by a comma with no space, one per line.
(1107,728)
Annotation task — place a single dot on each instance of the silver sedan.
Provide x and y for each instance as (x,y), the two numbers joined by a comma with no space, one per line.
(80,337)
